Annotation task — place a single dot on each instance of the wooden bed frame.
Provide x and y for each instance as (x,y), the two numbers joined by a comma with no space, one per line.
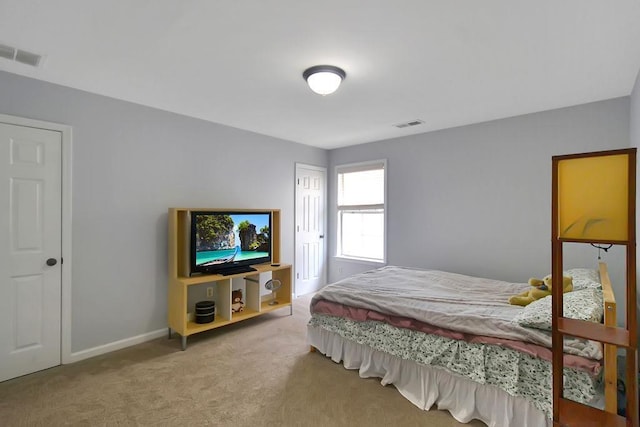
(610,354)
(610,374)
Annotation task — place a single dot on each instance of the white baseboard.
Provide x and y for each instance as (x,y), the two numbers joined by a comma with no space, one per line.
(116,345)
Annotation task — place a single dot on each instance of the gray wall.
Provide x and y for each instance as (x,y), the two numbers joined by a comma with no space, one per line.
(131,163)
(634,135)
(634,114)
(477,199)
(474,199)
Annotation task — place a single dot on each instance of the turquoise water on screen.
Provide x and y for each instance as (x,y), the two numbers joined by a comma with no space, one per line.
(206,256)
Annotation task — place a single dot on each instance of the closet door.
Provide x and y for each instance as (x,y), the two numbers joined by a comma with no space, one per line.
(30,248)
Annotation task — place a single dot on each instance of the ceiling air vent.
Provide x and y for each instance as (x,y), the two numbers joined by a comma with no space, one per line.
(7,52)
(28,58)
(19,55)
(409,124)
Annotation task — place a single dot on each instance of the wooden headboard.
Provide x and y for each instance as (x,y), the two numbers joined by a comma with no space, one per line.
(610,351)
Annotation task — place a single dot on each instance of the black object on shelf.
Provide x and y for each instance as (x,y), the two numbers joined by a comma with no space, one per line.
(237,270)
(205,311)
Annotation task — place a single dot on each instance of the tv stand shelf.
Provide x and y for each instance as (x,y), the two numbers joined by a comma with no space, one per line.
(180,282)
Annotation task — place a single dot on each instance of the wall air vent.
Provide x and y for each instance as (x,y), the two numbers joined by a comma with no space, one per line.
(409,124)
(19,55)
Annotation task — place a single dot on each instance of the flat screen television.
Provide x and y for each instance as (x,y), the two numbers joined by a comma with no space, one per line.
(229,242)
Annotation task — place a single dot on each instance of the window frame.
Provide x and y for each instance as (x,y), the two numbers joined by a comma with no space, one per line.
(340,209)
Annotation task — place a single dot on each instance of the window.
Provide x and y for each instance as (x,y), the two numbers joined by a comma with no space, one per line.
(361,211)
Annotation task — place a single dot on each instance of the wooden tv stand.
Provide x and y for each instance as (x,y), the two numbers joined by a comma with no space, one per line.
(180,282)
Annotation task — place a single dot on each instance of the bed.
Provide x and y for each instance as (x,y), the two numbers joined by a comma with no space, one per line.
(454,341)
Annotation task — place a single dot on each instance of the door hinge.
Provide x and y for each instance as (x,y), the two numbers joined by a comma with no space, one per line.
(61,260)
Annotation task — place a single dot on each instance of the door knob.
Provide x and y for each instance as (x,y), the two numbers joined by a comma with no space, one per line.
(51,262)
(322,236)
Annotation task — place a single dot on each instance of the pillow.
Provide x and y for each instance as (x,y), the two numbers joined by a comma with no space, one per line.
(584,278)
(585,304)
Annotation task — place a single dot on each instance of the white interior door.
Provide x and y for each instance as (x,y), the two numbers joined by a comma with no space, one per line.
(310,263)
(30,249)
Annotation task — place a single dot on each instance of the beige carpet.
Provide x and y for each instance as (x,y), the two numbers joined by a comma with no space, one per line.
(255,373)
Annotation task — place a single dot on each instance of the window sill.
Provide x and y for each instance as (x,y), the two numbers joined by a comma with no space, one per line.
(367,261)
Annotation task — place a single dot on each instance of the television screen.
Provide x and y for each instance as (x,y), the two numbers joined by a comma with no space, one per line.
(225,240)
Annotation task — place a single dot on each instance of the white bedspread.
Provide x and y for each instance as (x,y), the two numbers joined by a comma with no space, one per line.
(448,300)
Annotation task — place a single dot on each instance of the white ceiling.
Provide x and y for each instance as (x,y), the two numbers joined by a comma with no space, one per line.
(240,62)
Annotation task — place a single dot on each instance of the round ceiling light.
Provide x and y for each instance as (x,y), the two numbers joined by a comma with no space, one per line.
(324,79)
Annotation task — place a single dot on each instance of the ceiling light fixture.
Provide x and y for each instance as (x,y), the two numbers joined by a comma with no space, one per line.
(324,79)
